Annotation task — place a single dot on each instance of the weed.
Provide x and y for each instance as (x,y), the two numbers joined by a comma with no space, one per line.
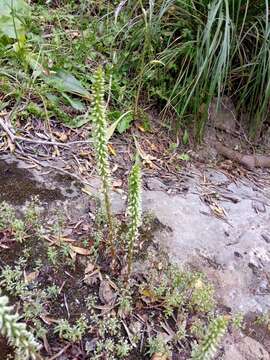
(157,345)
(263,319)
(53,291)
(71,333)
(11,280)
(122,349)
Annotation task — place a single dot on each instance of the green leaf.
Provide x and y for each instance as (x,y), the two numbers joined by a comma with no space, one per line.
(185,137)
(66,82)
(184,157)
(125,122)
(78,121)
(114,125)
(75,103)
(20,7)
(12,14)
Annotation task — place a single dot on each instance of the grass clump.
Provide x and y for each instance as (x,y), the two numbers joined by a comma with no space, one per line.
(178,55)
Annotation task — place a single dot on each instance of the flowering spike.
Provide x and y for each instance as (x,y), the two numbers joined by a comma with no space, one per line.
(207,349)
(16,333)
(134,209)
(98,116)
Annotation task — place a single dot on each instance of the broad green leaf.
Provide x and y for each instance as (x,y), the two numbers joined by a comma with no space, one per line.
(66,82)
(75,103)
(185,137)
(125,122)
(112,128)
(20,7)
(12,13)
(78,121)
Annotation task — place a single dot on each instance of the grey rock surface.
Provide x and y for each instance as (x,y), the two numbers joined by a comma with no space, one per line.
(244,348)
(219,226)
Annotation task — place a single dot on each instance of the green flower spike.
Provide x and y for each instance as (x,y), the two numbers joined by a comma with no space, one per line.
(98,116)
(16,333)
(207,349)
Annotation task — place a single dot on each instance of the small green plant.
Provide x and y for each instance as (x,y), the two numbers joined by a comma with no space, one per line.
(11,280)
(72,333)
(134,211)
(16,333)
(263,319)
(122,349)
(98,117)
(157,345)
(207,349)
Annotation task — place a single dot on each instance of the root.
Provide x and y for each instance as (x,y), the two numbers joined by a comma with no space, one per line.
(249,161)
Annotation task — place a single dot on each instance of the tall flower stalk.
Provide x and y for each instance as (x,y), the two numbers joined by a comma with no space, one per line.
(16,333)
(98,116)
(134,210)
(207,349)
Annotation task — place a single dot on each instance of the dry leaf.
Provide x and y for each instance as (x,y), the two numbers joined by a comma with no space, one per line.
(117,183)
(106,295)
(87,190)
(115,167)
(30,277)
(79,250)
(111,149)
(146,157)
(91,279)
(159,356)
(89,268)
(48,320)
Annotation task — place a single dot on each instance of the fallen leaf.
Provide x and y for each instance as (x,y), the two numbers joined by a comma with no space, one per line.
(89,268)
(115,167)
(106,295)
(147,293)
(91,279)
(87,190)
(65,239)
(159,356)
(146,157)
(80,251)
(111,149)
(117,183)
(48,320)
(30,277)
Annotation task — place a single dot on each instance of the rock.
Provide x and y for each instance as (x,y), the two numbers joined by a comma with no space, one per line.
(245,348)
(155,184)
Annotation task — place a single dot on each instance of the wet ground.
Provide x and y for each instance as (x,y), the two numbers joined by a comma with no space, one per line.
(218,225)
